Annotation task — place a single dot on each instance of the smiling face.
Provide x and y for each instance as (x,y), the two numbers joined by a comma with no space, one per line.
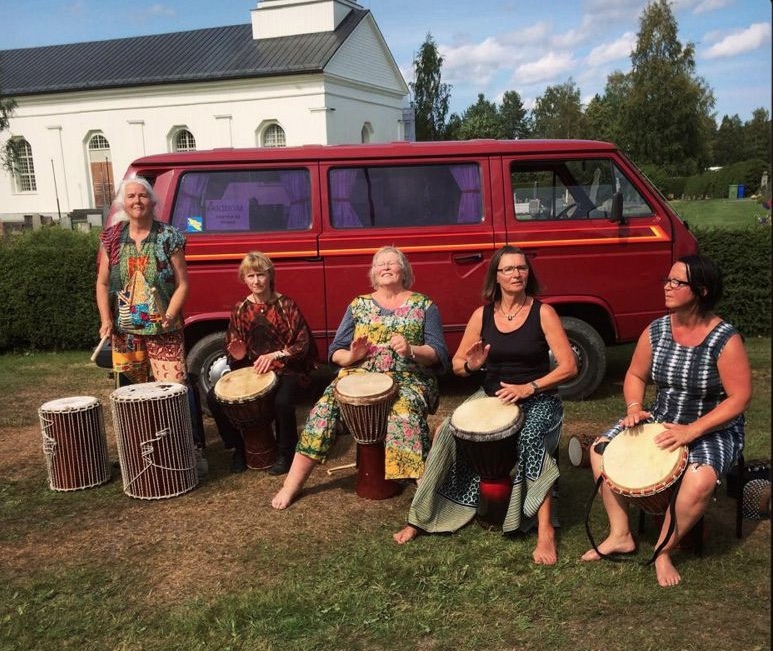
(137,202)
(387,270)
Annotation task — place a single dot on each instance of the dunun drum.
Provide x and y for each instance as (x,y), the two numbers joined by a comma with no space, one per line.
(579,450)
(152,423)
(74,443)
(636,468)
(247,400)
(486,434)
(365,400)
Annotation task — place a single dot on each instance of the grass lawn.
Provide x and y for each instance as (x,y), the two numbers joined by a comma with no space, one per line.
(218,569)
(720,213)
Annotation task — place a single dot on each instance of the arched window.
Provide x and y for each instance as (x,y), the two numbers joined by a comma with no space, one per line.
(184,141)
(273,136)
(367,133)
(98,142)
(24,167)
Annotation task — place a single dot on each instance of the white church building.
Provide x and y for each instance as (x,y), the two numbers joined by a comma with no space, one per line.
(302,72)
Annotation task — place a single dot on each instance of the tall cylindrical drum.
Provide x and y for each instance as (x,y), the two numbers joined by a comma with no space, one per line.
(74,443)
(153,431)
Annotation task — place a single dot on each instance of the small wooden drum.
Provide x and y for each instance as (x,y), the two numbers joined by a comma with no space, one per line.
(74,443)
(486,434)
(579,450)
(365,400)
(152,423)
(636,468)
(247,400)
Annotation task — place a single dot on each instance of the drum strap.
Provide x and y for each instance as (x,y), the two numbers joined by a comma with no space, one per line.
(622,557)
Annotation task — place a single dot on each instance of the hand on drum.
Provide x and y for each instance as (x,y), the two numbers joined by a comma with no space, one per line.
(510,393)
(633,418)
(265,363)
(674,436)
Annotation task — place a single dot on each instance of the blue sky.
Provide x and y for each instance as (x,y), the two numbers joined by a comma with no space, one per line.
(488,47)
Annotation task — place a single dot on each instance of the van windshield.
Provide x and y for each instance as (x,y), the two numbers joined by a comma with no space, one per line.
(243,201)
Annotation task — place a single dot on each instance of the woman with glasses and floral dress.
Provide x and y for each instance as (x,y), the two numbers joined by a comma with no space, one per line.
(391,330)
(510,339)
(702,378)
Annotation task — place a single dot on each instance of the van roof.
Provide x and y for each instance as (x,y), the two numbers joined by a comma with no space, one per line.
(378,151)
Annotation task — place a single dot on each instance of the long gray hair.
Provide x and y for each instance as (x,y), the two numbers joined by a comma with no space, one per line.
(118,200)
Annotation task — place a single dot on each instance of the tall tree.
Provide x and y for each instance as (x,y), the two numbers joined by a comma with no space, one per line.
(757,135)
(515,122)
(7,153)
(430,95)
(481,120)
(728,145)
(668,112)
(604,114)
(557,113)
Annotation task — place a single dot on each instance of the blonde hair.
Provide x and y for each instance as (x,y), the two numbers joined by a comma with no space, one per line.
(259,262)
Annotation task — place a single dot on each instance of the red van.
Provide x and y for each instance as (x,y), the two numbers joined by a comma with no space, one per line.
(599,235)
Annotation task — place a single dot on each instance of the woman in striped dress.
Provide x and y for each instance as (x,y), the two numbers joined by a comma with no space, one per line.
(701,372)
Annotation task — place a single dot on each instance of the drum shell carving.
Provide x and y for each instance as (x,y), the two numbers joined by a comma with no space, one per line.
(74,443)
(153,432)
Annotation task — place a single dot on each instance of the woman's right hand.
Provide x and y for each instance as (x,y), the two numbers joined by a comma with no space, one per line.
(634,417)
(477,354)
(236,348)
(105,329)
(358,349)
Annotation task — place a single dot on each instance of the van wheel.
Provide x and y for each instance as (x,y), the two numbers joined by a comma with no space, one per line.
(591,355)
(208,361)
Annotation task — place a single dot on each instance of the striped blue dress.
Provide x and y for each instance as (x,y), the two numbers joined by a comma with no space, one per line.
(687,387)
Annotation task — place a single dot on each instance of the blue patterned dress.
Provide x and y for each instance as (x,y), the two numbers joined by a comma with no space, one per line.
(688,386)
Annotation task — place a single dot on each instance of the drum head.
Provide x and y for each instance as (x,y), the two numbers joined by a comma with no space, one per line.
(74,403)
(633,461)
(148,391)
(244,384)
(575,451)
(364,385)
(484,416)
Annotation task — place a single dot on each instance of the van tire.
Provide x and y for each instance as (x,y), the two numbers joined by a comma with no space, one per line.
(207,359)
(591,355)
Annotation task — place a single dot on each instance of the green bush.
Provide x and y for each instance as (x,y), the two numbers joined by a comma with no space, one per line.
(744,258)
(47,290)
(715,184)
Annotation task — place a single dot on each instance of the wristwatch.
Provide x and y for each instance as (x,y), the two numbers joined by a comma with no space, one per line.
(534,386)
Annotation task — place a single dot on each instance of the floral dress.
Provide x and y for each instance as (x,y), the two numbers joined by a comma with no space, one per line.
(407,438)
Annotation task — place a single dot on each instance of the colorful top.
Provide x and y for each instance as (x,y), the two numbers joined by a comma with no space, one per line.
(275,325)
(142,282)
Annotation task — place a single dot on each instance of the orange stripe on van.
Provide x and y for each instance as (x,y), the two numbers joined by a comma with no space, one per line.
(204,257)
(652,234)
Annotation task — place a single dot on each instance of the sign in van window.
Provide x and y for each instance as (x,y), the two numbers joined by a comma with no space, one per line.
(572,189)
(242,201)
(404,196)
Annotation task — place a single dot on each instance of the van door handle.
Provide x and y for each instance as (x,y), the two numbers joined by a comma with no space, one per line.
(468,258)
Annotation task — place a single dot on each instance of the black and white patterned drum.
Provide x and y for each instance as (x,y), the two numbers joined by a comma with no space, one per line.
(74,443)
(155,439)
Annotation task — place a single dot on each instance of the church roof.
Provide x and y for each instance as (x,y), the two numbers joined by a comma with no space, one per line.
(210,54)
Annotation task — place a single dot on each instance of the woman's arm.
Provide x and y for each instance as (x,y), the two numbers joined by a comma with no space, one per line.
(471,350)
(558,342)
(176,302)
(103,295)
(635,382)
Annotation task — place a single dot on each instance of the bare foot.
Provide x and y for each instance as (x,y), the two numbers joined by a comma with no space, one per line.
(406,534)
(665,571)
(284,498)
(612,545)
(545,553)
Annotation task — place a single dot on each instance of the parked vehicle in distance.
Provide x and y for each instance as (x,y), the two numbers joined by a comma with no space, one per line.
(598,234)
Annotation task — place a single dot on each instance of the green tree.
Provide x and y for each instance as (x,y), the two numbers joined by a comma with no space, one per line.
(7,153)
(557,113)
(514,117)
(430,95)
(481,120)
(729,146)
(604,114)
(668,112)
(757,138)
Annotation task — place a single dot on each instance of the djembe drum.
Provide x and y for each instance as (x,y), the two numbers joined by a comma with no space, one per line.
(635,467)
(486,433)
(365,400)
(247,401)
(152,423)
(579,450)
(74,443)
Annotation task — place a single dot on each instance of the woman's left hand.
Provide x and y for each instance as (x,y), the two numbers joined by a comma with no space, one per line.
(400,345)
(264,363)
(514,392)
(674,436)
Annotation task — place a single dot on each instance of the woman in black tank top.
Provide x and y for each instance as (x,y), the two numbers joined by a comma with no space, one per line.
(508,341)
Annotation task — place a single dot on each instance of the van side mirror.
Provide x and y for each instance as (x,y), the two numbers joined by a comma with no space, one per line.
(616,209)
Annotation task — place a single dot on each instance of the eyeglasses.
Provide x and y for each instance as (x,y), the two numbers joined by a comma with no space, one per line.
(509,271)
(675,283)
(385,264)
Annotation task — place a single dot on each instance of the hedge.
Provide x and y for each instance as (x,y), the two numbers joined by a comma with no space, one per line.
(47,281)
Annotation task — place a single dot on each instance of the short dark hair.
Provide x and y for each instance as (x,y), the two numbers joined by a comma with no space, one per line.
(705,280)
(491,290)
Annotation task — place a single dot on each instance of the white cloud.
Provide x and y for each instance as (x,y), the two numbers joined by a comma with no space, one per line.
(548,68)
(739,42)
(705,6)
(619,49)
(476,61)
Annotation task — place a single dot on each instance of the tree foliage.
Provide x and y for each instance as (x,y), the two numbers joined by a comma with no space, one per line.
(481,120)
(7,152)
(558,112)
(430,95)
(515,118)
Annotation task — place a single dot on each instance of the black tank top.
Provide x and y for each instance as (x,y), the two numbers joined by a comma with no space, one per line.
(516,357)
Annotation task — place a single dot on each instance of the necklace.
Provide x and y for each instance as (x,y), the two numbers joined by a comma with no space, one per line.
(512,315)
